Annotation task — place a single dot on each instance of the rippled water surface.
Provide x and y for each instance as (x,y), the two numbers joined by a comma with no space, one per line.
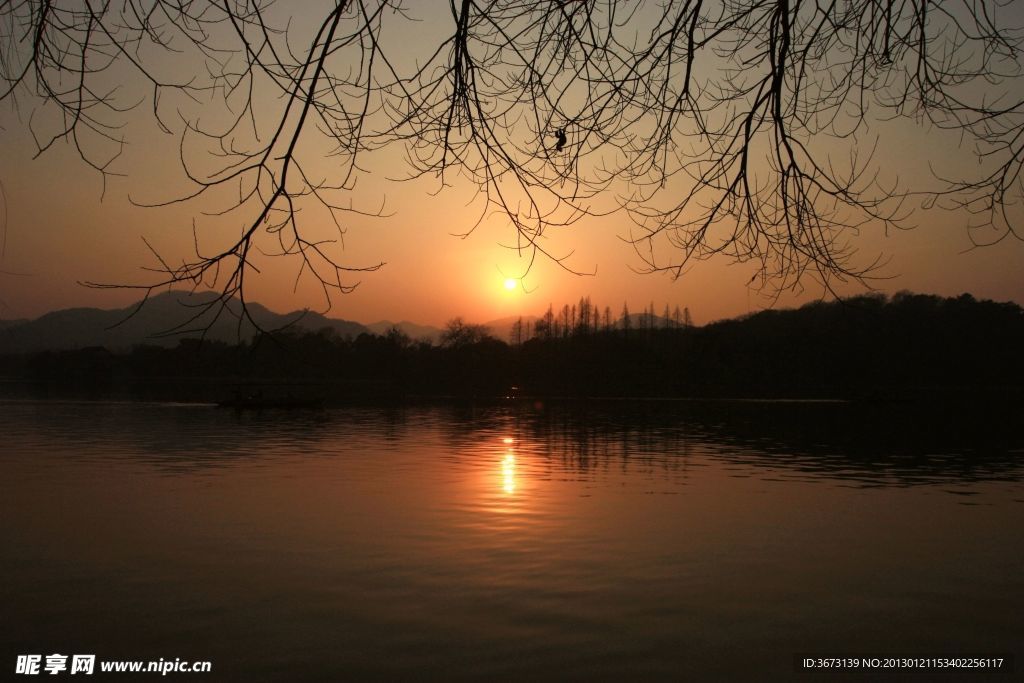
(620,541)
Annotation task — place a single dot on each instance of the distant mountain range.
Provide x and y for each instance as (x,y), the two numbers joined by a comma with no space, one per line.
(166,318)
(161,321)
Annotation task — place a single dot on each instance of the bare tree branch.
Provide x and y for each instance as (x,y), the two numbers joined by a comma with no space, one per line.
(743,128)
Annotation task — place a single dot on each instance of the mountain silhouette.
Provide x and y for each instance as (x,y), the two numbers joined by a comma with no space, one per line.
(162,321)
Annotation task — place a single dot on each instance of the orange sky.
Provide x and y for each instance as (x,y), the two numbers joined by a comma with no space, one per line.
(59,232)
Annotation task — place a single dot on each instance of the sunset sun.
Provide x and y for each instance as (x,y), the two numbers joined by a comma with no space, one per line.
(511,283)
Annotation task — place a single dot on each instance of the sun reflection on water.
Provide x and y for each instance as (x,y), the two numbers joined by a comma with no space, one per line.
(508,472)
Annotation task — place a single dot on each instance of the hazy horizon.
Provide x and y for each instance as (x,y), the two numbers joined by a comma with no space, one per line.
(616,311)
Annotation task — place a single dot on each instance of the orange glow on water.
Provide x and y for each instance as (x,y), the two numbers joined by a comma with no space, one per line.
(508,472)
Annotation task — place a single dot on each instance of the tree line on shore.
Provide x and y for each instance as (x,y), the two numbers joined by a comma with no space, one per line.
(585,318)
(867,346)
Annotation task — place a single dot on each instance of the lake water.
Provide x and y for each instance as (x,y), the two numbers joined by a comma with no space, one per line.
(610,541)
